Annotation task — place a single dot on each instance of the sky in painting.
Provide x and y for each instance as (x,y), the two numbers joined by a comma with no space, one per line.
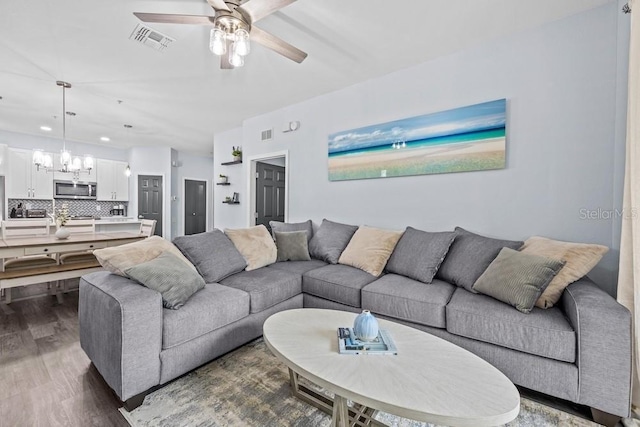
(488,115)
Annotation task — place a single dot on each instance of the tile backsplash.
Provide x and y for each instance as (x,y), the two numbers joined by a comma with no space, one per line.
(76,207)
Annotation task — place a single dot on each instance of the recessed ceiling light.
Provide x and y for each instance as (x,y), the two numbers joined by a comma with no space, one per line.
(105,139)
(45,128)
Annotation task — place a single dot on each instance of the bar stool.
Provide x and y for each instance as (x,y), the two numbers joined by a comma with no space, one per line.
(147,227)
(24,229)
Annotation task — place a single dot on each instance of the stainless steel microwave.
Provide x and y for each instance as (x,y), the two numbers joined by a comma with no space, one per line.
(74,190)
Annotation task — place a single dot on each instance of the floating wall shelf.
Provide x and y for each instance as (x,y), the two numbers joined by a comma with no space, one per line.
(235,162)
(223,183)
(231,202)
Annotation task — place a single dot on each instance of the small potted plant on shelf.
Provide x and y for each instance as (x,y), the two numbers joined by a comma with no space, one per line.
(237,153)
(223,179)
(227,199)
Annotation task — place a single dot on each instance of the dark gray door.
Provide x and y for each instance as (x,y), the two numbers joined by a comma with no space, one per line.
(150,200)
(195,207)
(270,193)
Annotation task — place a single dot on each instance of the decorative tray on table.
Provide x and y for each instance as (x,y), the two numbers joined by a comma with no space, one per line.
(349,344)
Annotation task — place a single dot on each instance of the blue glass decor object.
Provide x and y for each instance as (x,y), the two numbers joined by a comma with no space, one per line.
(365,327)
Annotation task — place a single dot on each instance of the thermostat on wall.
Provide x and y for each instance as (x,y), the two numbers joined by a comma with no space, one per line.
(292,126)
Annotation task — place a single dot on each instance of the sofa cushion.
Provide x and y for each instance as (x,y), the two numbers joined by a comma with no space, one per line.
(292,246)
(369,249)
(407,299)
(213,254)
(579,259)
(469,256)
(330,240)
(119,258)
(279,227)
(255,244)
(419,254)
(545,333)
(517,278)
(338,283)
(298,267)
(211,308)
(266,286)
(170,276)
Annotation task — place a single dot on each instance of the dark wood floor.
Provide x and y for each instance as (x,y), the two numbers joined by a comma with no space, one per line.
(45,377)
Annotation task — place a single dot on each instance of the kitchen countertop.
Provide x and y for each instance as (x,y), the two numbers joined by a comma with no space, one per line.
(102,220)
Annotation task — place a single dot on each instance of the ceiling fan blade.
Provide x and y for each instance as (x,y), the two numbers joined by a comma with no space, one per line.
(258,9)
(164,18)
(224,59)
(277,45)
(218,5)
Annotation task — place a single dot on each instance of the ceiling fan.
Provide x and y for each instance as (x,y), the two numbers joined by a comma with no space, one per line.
(233,26)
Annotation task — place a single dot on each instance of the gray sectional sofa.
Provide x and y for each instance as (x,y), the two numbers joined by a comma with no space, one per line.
(579,350)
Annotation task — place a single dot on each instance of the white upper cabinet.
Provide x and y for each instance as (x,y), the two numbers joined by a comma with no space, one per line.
(24,180)
(113,184)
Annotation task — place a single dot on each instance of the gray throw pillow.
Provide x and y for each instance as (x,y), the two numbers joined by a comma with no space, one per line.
(279,227)
(170,276)
(469,256)
(418,254)
(330,241)
(292,246)
(213,254)
(517,278)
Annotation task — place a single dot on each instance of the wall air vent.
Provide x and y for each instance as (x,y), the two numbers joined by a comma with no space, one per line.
(150,37)
(267,135)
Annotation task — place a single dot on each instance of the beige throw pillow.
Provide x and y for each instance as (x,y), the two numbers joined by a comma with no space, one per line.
(255,244)
(119,258)
(369,249)
(579,259)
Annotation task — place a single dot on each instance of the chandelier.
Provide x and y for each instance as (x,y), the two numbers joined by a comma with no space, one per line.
(68,163)
(230,36)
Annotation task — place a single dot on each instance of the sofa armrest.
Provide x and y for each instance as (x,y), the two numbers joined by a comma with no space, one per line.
(121,331)
(603,331)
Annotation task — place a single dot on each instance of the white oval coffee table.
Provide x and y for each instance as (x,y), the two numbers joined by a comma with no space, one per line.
(429,380)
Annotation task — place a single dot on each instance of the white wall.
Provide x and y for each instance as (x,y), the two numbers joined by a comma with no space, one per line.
(229,216)
(563,82)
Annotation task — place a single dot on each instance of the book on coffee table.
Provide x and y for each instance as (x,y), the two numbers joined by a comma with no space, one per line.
(349,344)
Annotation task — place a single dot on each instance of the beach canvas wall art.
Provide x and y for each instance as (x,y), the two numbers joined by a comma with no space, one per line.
(464,139)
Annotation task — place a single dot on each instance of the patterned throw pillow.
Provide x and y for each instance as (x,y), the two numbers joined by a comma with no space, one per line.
(579,259)
(170,276)
(517,278)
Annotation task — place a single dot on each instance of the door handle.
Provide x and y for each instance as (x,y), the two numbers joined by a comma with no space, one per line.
(140,216)
(194,214)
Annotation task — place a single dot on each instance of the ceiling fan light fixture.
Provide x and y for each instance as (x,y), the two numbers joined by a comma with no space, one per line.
(217,41)
(241,44)
(234,59)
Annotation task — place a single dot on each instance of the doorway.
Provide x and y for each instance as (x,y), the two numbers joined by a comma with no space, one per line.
(268,188)
(270,192)
(195,206)
(150,200)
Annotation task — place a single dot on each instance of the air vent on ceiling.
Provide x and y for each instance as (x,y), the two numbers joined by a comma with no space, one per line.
(150,37)
(267,135)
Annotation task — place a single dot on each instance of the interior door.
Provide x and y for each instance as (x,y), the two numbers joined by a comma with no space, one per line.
(195,207)
(270,193)
(150,200)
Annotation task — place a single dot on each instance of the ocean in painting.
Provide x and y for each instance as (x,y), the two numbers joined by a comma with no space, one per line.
(464,139)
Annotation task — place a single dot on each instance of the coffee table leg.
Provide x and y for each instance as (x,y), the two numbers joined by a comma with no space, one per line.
(340,416)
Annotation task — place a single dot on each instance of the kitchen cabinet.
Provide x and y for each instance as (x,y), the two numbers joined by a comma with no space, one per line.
(68,176)
(24,180)
(112,182)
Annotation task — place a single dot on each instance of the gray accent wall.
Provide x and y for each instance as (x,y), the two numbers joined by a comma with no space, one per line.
(565,86)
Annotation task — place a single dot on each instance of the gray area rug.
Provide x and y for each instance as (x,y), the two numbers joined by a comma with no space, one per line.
(250,387)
